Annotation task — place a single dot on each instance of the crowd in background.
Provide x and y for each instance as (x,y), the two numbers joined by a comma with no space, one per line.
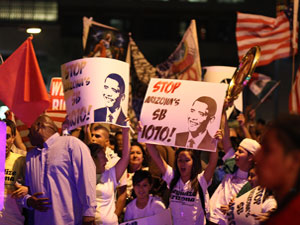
(101,174)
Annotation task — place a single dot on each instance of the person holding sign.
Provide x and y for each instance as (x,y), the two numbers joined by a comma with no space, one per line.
(188,185)
(107,181)
(113,95)
(202,112)
(252,207)
(278,168)
(232,183)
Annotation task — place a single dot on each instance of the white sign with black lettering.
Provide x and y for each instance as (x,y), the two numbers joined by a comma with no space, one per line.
(246,207)
(182,113)
(96,90)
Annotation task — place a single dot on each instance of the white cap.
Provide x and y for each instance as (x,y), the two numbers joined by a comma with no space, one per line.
(250,145)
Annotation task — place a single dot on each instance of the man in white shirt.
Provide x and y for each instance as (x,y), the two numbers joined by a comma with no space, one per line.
(232,183)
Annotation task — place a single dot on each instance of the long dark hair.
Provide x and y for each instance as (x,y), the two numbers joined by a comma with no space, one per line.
(196,169)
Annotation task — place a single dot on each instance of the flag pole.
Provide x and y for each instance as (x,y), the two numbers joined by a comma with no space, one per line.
(294,37)
(1,59)
(266,95)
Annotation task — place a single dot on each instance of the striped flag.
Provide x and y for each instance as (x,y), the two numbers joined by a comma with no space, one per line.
(294,100)
(273,35)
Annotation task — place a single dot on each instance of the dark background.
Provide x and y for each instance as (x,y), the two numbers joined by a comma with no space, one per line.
(156,26)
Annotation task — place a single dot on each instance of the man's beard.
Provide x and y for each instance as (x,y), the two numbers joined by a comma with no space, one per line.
(201,129)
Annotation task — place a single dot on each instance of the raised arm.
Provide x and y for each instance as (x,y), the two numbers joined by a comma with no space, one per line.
(123,162)
(213,159)
(242,122)
(226,138)
(159,161)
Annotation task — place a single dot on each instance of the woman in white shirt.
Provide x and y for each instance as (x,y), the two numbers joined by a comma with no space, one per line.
(188,185)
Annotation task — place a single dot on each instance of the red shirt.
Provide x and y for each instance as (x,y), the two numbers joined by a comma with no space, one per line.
(289,215)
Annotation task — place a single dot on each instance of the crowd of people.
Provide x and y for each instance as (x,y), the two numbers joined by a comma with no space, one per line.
(100,174)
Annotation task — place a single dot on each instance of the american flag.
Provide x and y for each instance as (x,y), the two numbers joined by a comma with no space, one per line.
(273,35)
(294,101)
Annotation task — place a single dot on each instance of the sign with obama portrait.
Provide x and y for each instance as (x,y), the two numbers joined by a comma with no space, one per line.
(182,113)
(96,90)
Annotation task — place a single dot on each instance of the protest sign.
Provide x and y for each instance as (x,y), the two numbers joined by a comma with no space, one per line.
(223,74)
(163,218)
(2,161)
(182,113)
(57,100)
(246,207)
(96,90)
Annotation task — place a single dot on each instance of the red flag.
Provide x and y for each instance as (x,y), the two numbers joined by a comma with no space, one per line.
(273,35)
(22,88)
(294,101)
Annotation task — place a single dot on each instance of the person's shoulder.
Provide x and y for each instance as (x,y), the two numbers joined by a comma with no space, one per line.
(32,152)
(156,203)
(155,199)
(131,204)
(72,142)
(15,156)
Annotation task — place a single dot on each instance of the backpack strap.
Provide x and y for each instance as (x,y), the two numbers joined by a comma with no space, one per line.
(202,199)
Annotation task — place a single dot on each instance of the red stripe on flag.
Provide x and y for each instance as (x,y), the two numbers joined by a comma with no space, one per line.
(273,35)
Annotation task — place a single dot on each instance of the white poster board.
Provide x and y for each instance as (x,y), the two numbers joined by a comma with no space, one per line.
(163,218)
(96,90)
(182,113)
(246,207)
(223,74)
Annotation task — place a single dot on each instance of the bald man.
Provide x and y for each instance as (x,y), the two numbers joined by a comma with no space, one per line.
(59,176)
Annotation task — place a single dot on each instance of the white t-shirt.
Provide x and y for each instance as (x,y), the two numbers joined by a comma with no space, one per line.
(153,207)
(230,186)
(269,204)
(105,198)
(184,203)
